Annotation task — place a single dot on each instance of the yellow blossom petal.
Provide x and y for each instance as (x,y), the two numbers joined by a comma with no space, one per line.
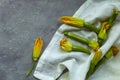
(94,45)
(102,34)
(66,45)
(37,48)
(96,57)
(73,21)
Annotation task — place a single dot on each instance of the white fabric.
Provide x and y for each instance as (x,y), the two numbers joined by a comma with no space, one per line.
(54,60)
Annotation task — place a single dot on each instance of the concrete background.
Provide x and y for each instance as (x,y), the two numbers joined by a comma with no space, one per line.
(21,21)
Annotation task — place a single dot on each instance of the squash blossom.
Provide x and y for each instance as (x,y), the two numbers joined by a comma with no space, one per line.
(36,53)
(37,48)
(108,55)
(93,63)
(91,43)
(96,57)
(68,46)
(96,62)
(94,45)
(78,22)
(103,31)
(113,51)
(106,25)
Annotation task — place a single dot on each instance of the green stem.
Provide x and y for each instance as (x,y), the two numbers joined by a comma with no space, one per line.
(79,48)
(76,37)
(91,27)
(113,17)
(91,70)
(31,68)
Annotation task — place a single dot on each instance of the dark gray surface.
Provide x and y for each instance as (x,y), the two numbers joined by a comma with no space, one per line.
(21,21)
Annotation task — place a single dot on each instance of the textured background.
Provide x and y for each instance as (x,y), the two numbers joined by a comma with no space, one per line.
(21,21)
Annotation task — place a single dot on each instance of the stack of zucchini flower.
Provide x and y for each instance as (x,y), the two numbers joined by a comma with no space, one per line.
(102,36)
(102,33)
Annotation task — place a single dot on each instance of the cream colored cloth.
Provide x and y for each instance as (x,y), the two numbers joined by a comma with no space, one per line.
(54,60)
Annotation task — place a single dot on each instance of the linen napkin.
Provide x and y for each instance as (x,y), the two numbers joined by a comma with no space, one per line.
(54,60)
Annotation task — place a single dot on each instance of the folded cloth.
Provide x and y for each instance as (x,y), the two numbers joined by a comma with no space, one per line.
(54,60)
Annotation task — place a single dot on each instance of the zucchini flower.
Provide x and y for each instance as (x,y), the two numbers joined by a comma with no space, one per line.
(93,63)
(94,45)
(96,62)
(113,51)
(108,55)
(68,46)
(78,22)
(102,35)
(91,43)
(37,48)
(96,57)
(103,31)
(36,53)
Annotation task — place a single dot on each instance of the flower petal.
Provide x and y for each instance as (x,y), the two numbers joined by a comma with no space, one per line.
(94,45)
(66,45)
(96,57)
(73,21)
(37,48)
